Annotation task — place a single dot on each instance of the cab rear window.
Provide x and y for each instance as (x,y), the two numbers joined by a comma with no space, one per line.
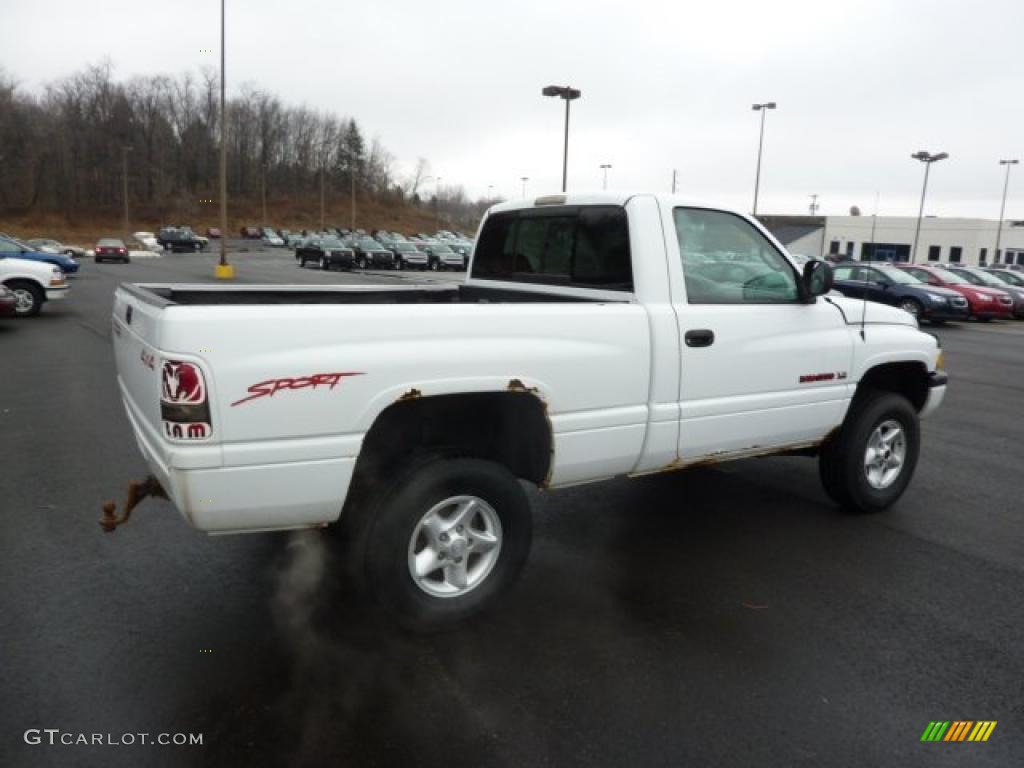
(584,247)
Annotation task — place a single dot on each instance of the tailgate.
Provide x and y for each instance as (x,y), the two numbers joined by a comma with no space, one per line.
(137,328)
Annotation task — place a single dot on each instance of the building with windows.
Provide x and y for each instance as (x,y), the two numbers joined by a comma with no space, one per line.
(890,238)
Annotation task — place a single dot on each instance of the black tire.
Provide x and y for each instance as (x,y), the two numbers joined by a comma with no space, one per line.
(325,265)
(983,319)
(397,264)
(841,463)
(912,306)
(381,553)
(435,265)
(361,262)
(27,292)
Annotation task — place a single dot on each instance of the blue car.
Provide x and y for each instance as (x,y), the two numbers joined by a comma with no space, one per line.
(67,264)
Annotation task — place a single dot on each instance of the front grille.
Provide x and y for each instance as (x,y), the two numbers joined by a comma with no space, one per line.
(1005,300)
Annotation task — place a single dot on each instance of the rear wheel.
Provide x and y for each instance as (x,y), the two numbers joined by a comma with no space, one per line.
(361,262)
(867,465)
(324,264)
(398,263)
(443,544)
(434,265)
(29,298)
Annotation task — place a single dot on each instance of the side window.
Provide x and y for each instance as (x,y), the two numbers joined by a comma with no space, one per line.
(920,274)
(585,247)
(6,246)
(844,273)
(726,260)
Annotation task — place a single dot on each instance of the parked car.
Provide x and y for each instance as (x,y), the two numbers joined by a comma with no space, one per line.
(55,246)
(407,255)
(412,416)
(147,241)
(111,249)
(65,264)
(982,303)
(443,257)
(8,302)
(370,253)
(251,233)
(180,240)
(897,287)
(976,276)
(1008,276)
(325,252)
(213,232)
(33,283)
(462,248)
(272,238)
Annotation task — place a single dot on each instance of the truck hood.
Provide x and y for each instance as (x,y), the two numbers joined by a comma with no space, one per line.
(871,311)
(39,269)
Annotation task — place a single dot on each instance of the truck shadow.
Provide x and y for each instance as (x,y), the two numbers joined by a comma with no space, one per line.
(628,579)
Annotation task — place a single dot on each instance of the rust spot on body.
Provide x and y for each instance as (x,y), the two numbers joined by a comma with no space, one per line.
(516,385)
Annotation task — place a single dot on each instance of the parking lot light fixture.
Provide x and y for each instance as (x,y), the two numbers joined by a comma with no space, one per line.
(1002,206)
(927,158)
(605,167)
(524,179)
(569,94)
(763,109)
(223,270)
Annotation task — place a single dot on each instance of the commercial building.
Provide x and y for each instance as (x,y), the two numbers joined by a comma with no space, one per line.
(891,238)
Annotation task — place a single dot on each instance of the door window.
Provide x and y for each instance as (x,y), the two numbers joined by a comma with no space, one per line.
(726,260)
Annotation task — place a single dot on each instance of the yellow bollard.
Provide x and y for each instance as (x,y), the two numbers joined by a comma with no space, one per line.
(224,272)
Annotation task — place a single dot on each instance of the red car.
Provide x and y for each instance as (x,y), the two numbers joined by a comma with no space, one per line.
(213,233)
(251,233)
(984,303)
(8,302)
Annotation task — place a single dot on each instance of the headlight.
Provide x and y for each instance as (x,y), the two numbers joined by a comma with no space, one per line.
(983,297)
(940,362)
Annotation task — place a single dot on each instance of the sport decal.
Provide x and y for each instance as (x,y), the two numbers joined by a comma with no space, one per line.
(271,387)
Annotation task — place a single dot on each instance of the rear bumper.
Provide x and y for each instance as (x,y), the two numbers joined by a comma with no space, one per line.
(251,498)
(937,381)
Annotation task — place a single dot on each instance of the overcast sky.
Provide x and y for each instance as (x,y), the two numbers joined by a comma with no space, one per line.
(859,85)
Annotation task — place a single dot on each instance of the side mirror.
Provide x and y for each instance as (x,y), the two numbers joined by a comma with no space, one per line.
(817,279)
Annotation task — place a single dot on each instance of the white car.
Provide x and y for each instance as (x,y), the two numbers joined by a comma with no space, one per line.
(596,335)
(148,241)
(32,282)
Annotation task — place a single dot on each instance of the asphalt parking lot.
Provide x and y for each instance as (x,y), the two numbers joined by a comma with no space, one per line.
(723,616)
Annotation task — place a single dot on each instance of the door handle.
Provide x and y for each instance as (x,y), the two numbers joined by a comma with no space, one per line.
(701,337)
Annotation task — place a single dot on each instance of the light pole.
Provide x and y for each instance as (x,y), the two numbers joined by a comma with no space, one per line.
(124,175)
(1002,207)
(568,94)
(223,270)
(927,158)
(437,204)
(763,109)
(524,179)
(813,207)
(352,189)
(490,191)
(605,167)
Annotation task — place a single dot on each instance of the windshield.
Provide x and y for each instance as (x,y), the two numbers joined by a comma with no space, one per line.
(400,246)
(1008,278)
(441,249)
(949,277)
(981,278)
(898,275)
(331,242)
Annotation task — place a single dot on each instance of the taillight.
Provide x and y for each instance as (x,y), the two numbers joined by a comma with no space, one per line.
(184,407)
(121,250)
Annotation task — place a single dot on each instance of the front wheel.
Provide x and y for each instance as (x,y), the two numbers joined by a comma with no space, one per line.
(867,465)
(446,542)
(324,264)
(361,262)
(398,263)
(913,306)
(28,298)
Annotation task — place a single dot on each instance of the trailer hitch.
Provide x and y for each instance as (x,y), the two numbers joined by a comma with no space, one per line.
(137,491)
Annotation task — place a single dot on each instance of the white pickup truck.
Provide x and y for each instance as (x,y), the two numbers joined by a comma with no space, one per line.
(595,336)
